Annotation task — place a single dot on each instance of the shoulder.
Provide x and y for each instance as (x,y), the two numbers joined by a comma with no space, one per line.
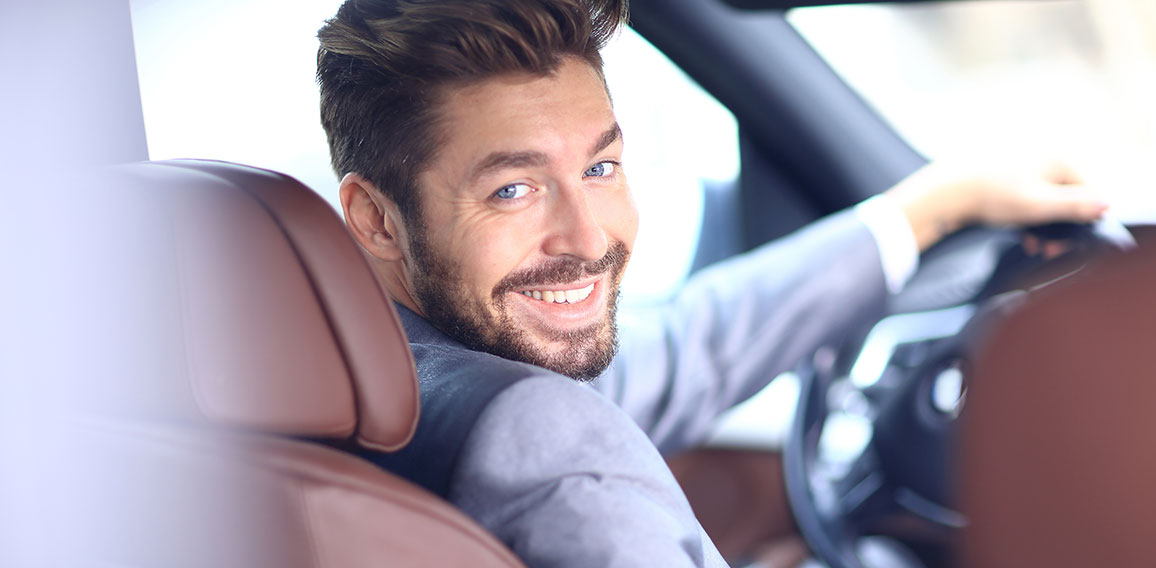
(554,409)
(440,360)
(548,428)
(457,385)
(550,466)
(443,363)
(564,477)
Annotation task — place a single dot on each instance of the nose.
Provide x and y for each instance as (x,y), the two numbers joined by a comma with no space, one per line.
(573,226)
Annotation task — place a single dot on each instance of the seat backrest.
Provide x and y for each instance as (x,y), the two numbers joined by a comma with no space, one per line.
(234,329)
(1058,467)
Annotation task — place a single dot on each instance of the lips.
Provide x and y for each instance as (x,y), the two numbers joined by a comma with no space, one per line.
(562,296)
(557,309)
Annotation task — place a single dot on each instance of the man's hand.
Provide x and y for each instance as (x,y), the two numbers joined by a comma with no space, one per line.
(942,198)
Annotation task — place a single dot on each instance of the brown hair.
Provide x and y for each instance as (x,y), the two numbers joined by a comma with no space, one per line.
(382,65)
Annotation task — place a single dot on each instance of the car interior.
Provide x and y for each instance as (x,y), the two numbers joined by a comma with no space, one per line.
(198,342)
(286,345)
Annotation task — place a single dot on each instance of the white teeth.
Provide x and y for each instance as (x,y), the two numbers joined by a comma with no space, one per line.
(561,296)
(582,293)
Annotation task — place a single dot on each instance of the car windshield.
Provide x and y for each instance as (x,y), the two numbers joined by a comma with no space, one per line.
(1069,78)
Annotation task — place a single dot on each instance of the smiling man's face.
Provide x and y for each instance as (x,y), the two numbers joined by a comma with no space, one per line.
(527,221)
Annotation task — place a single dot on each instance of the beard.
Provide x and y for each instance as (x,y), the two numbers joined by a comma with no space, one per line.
(443,295)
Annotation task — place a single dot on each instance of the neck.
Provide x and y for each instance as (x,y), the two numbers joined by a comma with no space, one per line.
(390,277)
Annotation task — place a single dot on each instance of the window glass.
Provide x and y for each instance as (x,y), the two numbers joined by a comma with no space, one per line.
(234,80)
(677,138)
(1063,78)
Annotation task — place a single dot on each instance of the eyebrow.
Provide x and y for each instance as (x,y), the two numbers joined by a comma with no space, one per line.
(496,161)
(612,135)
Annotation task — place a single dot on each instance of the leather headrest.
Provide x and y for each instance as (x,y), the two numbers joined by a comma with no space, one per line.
(251,307)
(1056,468)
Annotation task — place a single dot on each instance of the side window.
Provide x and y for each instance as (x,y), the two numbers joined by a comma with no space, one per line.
(1064,78)
(678,138)
(234,80)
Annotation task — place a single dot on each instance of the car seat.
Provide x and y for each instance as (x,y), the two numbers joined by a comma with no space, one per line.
(1057,466)
(231,335)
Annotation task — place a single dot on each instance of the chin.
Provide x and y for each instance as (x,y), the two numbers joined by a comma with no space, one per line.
(584,362)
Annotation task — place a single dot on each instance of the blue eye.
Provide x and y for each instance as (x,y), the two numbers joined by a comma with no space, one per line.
(513,191)
(601,169)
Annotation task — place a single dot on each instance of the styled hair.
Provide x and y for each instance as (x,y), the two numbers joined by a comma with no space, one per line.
(384,66)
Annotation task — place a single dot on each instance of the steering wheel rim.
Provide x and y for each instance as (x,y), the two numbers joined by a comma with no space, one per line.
(828,535)
(834,514)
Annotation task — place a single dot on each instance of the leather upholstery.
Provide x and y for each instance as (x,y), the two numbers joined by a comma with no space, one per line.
(281,325)
(1057,459)
(233,326)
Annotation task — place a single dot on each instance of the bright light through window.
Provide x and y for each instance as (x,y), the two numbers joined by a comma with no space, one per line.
(234,80)
(677,136)
(1065,78)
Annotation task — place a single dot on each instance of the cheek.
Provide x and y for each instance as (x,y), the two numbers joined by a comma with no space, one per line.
(490,252)
(621,218)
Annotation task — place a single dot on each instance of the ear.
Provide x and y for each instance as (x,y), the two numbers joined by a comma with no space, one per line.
(373,219)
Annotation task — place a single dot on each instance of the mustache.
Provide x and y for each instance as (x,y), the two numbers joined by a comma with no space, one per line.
(562,270)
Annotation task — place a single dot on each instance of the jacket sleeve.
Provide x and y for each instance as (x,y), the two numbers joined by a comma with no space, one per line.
(740,323)
(565,478)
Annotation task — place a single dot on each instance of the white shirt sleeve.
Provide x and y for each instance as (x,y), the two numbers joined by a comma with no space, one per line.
(893,235)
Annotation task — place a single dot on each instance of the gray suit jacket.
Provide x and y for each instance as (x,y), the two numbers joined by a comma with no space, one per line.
(569,475)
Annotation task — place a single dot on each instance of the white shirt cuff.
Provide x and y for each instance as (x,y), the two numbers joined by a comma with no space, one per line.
(893,235)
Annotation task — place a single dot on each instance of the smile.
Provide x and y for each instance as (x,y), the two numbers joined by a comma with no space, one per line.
(560,296)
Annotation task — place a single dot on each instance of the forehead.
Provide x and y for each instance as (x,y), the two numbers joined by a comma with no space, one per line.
(556,114)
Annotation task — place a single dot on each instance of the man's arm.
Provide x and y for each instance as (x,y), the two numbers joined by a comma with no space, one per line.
(740,323)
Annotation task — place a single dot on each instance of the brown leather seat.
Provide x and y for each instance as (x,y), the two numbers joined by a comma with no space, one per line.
(233,331)
(1058,459)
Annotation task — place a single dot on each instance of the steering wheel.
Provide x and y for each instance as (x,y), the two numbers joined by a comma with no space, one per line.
(905,409)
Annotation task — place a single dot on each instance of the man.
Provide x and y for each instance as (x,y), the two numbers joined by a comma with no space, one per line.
(482,174)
